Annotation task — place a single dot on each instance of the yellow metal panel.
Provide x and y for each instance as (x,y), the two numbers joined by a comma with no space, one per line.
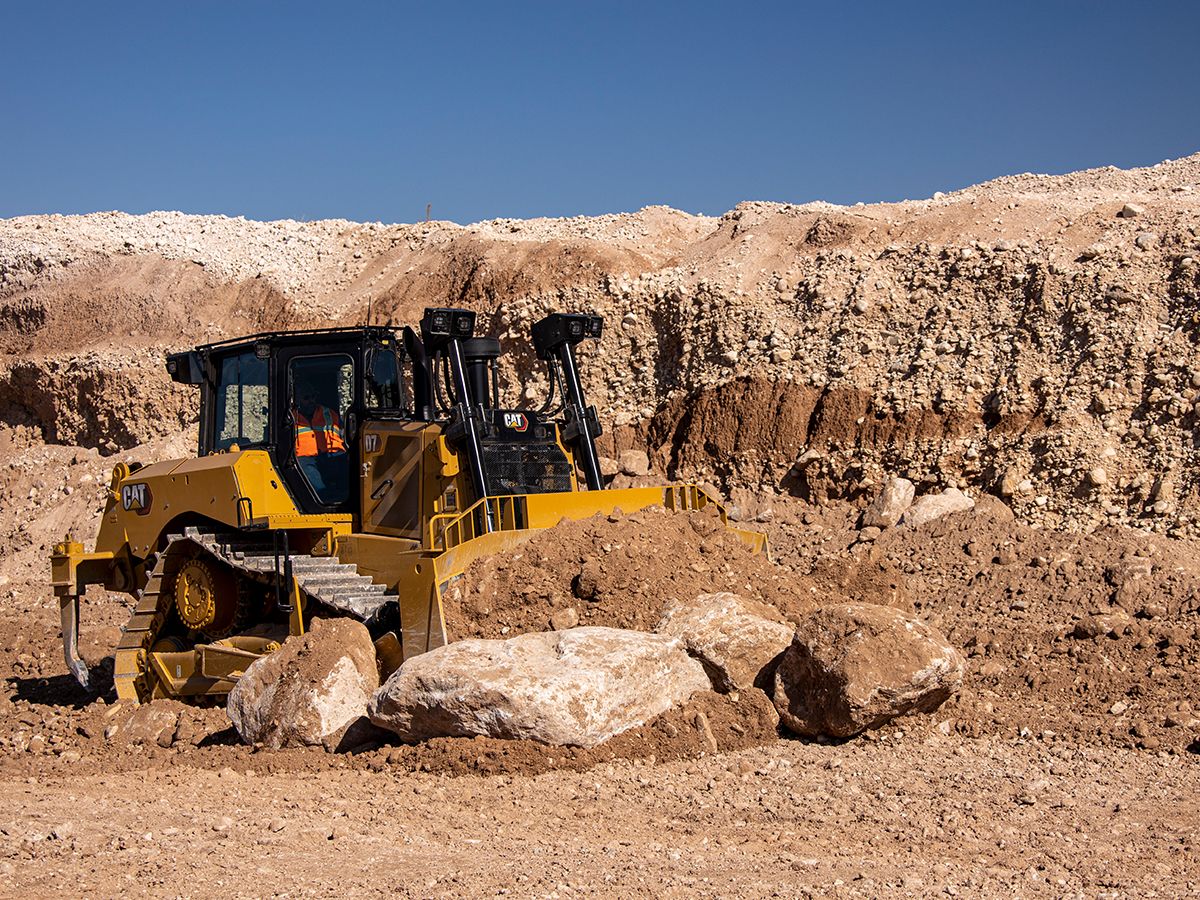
(229,488)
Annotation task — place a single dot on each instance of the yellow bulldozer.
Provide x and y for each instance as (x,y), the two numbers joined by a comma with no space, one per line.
(340,472)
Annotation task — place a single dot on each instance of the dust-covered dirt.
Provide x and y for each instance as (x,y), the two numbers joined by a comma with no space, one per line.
(1031,341)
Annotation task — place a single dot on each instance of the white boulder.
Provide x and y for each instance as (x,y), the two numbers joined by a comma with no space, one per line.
(735,639)
(577,687)
(309,692)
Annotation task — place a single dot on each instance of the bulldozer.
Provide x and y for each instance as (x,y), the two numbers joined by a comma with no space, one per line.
(352,471)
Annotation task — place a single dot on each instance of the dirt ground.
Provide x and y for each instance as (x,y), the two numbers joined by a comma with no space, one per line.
(910,815)
(1067,766)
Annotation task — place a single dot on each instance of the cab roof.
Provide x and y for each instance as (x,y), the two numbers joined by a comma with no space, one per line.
(300,336)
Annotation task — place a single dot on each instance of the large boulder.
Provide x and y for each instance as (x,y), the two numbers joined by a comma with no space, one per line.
(736,639)
(934,506)
(312,691)
(851,667)
(893,499)
(576,687)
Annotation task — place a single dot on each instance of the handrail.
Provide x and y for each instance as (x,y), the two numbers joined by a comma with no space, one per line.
(448,530)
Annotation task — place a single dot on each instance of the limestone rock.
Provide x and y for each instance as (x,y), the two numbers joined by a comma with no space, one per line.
(934,506)
(737,640)
(608,466)
(151,723)
(886,509)
(577,687)
(313,691)
(634,463)
(852,667)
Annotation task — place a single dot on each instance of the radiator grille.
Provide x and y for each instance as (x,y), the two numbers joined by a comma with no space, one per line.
(526,468)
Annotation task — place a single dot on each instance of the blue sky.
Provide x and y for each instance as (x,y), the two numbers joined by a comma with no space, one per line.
(371,110)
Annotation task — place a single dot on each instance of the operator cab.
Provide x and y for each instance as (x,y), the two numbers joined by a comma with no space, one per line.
(299,396)
(350,415)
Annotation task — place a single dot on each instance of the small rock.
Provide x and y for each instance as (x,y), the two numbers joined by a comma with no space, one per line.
(564,619)
(934,506)
(634,463)
(1118,708)
(1098,476)
(889,505)
(1131,211)
(1147,240)
(152,723)
(276,825)
(700,720)
(1090,627)
(1009,482)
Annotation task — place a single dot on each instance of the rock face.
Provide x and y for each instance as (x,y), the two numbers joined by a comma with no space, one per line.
(853,667)
(736,640)
(887,508)
(309,692)
(576,687)
(934,506)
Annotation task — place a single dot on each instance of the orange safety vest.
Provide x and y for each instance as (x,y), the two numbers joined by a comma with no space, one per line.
(321,435)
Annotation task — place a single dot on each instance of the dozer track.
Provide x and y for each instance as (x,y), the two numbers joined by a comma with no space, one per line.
(324,579)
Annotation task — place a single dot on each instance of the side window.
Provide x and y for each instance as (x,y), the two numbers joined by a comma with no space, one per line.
(320,393)
(384,382)
(242,414)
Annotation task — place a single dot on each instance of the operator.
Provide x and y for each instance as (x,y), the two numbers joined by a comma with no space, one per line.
(318,435)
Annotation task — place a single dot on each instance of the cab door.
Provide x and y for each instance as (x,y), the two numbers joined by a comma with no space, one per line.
(317,423)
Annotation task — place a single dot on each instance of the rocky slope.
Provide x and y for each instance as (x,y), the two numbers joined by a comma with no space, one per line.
(1032,337)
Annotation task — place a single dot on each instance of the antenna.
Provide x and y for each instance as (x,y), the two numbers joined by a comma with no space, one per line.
(369,300)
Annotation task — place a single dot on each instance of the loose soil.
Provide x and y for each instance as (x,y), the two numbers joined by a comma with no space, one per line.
(618,571)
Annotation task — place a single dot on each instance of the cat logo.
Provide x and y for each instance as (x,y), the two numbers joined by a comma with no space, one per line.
(371,443)
(136,498)
(516,421)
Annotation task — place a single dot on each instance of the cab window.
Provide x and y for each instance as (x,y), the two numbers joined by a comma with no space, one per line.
(320,394)
(242,413)
(384,382)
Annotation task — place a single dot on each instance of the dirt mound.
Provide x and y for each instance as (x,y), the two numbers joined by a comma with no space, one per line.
(1091,637)
(618,571)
